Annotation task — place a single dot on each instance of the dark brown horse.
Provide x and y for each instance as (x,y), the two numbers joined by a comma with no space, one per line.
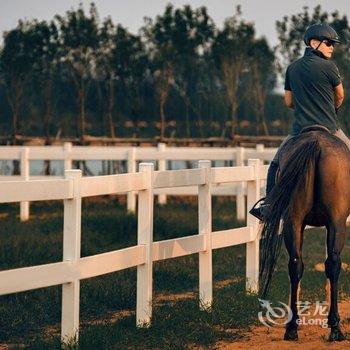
(313,188)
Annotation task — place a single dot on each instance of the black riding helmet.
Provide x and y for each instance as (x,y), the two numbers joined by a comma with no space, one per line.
(321,32)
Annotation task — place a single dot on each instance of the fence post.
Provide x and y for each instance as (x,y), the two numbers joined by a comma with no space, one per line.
(240,198)
(67,149)
(71,253)
(24,206)
(161,166)
(260,147)
(252,248)
(131,196)
(145,237)
(205,228)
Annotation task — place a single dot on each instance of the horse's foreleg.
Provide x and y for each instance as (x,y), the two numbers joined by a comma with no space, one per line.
(335,243)
(293,238)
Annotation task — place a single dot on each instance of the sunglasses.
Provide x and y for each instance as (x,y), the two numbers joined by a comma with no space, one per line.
(328,43)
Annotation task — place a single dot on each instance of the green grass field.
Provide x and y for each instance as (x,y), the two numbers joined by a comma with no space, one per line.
(107,308)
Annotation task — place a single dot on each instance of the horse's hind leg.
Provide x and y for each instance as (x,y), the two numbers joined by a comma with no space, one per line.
(293,238)
(335,242)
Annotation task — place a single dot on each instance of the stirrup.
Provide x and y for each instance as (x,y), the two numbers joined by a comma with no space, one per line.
(257,212)
(260,200)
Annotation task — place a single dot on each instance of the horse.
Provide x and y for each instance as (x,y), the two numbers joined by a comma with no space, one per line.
(312,188)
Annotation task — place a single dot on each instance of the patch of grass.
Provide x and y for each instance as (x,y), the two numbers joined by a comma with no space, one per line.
(174,325)
(33,318)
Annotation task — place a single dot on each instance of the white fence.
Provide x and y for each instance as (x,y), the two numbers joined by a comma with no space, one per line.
(73,268)
(161,154)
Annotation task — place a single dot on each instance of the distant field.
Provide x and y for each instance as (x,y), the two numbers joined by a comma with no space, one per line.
(32,319)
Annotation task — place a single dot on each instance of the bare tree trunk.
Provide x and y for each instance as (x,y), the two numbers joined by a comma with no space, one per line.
(233,118)
(261,96)
(187,114)
(81,117)
(48,108)
(15,116)
(47,163)
(86,170)
(15,103)
(16,163)
(211,114)
(199,112)
(47,124)
(14,124)
(110,109)
(165,79)
(100,109)
(162,118)
(232,74)
(265,128)
(262,117)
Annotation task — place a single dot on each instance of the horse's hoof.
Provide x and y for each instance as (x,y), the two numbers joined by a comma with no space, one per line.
(291,334)
(336,334)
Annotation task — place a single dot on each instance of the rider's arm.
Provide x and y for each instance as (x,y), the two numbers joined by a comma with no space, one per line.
(288,99)
(338,95)
(336,82)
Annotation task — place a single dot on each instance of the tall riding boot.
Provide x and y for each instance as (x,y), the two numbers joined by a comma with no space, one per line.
(271,177)
(261,211)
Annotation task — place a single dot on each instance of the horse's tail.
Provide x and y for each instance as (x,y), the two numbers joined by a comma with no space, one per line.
(301,160)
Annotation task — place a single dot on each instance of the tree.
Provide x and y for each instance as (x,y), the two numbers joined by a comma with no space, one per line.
(178,66)
(177,40)
(137,76)
(262,79)
(161,51)
(193,31)
(231,50)
(45,48)
(119,58)
(79,43)
(104,73)
(16,63)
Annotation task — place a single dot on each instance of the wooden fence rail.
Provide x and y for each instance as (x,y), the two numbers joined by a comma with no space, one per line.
(73,188)
(132,155)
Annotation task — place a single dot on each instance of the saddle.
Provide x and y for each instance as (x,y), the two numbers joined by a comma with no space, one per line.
(314,128)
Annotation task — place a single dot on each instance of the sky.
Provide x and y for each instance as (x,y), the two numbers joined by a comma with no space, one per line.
(130,13)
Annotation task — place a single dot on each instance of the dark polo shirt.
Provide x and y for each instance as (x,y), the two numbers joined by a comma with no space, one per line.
(312,79)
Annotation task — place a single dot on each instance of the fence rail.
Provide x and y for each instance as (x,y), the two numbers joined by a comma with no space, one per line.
(132,155)
(73,268)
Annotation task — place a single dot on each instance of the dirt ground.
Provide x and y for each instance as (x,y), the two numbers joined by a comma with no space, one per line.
(310,337)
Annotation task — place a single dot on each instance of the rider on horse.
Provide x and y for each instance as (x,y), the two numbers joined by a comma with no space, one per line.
(313,88)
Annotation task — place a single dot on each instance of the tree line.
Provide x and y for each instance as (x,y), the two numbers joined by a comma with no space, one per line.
(78,75)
